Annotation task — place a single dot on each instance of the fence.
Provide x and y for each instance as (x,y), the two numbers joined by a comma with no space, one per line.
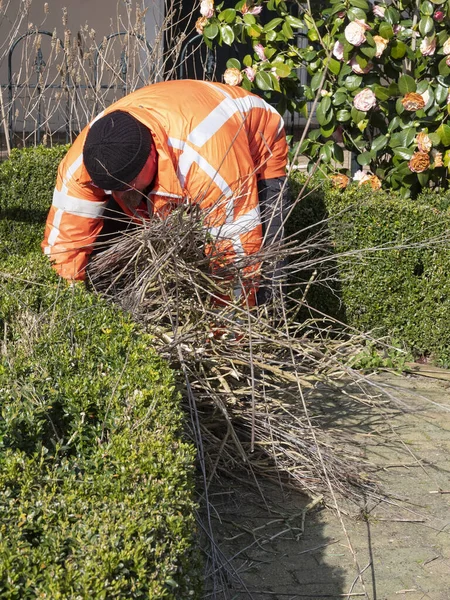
(56,86)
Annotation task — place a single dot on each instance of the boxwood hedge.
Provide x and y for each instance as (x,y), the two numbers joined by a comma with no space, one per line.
(393,261)
(96,497)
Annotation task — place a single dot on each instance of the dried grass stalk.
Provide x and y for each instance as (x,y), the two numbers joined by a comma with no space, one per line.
(250,374)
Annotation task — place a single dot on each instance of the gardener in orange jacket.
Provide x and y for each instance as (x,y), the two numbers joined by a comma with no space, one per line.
(201,142)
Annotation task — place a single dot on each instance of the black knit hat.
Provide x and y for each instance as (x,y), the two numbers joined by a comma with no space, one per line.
(116,149)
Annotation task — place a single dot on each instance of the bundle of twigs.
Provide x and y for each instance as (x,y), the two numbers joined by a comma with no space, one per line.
(250,374)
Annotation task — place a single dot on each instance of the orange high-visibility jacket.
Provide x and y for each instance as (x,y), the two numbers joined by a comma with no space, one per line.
(214,143)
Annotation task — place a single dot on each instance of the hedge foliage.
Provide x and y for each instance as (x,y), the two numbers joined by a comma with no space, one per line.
(393,280)
(96,497)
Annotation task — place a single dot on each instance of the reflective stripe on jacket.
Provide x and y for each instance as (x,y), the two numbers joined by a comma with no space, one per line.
(214,143)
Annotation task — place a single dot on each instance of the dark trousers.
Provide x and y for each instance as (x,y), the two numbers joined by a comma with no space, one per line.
(274,205)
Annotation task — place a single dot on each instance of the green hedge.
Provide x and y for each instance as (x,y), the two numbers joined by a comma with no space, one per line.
(96,482)
(403,293)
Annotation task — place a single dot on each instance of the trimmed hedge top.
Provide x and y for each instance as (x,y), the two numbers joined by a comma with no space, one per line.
(393,262)
(96,482)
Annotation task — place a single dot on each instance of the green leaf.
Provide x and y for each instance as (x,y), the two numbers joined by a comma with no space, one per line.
(353,82)
(273,24)
(211,31)
(426,26)
(386,31)
(294,22)
(228,15)
(368,51)
(247,60)
(392,16)
(249,19)
(426,8)
(343,115)
(379,143)
(328,129)
(364,159)
(323,115)
(325,104)
(406,84)
(227,34)
(360,4)
(405,153)
(315,81)
(398,49)
(382,93)
(325,154)
(263,80)
(444,134)
(403,138)
(233,63)
(282,69)
(393,89)
(443,68)
(357,115)
(338,153)
(434,137)
(339,98)
(287,30)
(334,66)
(423,178)
(356,13)
(441,94)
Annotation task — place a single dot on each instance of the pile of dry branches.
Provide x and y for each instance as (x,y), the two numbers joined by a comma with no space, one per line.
(249,374)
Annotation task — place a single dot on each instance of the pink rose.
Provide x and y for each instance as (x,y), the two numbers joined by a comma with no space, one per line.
(399,29)
(446,47)
(378,11)
(259,50)
(338,50)
(356,68)
(355,34)
(253,10)
(381,44)
(359,175)
(447,61)
(428,46)
(232,76)
(365,100)
(251,73)
(439,16)
(207,8)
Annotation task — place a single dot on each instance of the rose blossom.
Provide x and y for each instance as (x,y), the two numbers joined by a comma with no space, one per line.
(338,50)
(446,47)
(439,16)
(259,50)
(355,34)
(207,8)
(232,76)
(356,68)
(423,142)
(381,44)
(253,10)
(437,158)
(426,96)
(447,61)
(428,46)
(340,181)
(398,29)
(250,72)
(420,161)
(359,175)
(413,101)
(365,100)
(200,24)
(378,11)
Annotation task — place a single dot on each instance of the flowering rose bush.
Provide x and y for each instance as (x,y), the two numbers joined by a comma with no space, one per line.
(380,70)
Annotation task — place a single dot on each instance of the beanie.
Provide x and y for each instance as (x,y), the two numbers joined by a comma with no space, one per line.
(116,149)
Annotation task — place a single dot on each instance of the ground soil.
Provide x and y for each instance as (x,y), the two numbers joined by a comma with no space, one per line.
(379,550)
